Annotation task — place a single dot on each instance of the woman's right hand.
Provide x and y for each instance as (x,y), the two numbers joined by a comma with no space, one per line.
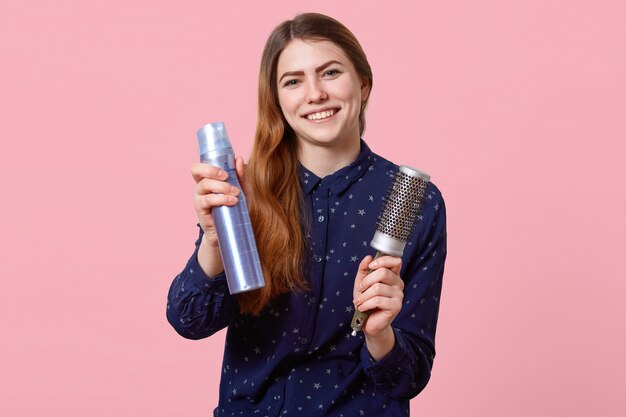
(212,190)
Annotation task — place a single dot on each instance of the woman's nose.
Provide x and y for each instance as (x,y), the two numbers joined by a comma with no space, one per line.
(315,92)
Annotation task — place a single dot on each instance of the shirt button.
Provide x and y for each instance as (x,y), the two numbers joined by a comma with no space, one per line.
(304,340)
(320,219)
(317,258)
(277,397)
(312,299)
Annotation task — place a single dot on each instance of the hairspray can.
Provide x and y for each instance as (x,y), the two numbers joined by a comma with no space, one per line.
(232,223)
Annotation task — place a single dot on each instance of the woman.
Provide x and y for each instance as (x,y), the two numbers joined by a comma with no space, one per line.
(315,190)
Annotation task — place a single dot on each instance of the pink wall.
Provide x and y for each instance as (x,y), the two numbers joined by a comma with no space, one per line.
(517,109)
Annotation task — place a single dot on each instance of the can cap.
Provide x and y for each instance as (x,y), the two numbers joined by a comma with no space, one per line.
(212,137)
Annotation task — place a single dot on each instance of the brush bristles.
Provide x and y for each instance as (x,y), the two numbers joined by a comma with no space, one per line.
(401,205)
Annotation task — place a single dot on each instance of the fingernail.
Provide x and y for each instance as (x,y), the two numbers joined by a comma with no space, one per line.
(374,264)
(234,190)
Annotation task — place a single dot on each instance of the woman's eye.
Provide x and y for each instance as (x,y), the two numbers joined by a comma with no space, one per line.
(290,83)
(331,73)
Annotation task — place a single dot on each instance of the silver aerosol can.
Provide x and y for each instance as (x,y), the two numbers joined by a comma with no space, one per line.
(232,223)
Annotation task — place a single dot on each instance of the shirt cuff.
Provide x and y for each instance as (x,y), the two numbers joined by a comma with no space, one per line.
(378,370)
(197,280)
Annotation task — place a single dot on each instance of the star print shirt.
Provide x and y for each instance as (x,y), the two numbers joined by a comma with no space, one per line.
(298,357)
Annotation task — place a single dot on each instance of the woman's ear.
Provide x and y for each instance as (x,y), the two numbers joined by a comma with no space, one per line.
(365,90)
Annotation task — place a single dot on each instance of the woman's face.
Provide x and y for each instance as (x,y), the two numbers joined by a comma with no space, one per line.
(320,93)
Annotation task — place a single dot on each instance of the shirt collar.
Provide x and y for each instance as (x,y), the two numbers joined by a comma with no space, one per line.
(341,179)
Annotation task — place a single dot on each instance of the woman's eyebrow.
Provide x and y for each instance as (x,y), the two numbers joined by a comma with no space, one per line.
(327,64)
(318,69)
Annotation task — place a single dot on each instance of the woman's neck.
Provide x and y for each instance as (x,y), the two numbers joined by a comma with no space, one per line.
(323,161)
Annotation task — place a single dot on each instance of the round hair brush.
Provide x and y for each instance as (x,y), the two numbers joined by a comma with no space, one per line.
(402,205)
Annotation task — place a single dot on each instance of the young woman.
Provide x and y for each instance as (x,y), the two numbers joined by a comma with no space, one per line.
(315,190)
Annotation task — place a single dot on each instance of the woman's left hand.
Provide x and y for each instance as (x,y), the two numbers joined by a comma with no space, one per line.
(380,293)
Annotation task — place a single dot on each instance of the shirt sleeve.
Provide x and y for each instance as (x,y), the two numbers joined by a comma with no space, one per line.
(199,306)
(405,371)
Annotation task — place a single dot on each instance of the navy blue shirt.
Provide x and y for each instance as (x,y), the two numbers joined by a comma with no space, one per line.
(298,357)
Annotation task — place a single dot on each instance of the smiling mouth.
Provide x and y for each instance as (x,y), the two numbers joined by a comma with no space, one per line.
(321,115)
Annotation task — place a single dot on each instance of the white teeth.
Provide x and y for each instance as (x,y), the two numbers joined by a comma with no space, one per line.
(320,115)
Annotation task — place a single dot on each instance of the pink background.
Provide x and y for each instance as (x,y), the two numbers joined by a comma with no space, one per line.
(516,108)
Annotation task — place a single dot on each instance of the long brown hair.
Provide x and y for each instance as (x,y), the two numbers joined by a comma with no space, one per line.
(275,206)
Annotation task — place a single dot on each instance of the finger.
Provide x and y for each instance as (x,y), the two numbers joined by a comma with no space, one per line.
(378,290)
(384,276)
(390,262)
(240,168)
(201,170)
(390,305)
(211,186)
(361,273)
(204,203)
